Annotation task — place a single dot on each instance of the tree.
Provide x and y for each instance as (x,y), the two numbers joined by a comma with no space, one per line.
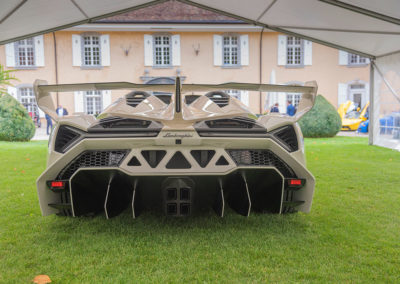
(5,79)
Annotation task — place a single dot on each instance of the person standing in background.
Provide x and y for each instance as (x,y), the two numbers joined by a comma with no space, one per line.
(290,109)
(49,123)
(275,108)
(61,111)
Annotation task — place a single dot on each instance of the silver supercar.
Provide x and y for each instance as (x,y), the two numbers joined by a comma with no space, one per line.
(187,152)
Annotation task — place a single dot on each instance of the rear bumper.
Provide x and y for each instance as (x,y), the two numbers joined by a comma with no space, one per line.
(212,180)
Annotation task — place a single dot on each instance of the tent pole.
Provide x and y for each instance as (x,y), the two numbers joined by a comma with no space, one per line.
(371,126)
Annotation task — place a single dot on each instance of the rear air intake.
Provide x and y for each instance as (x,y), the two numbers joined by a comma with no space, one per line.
(178,161)
(133,99)
(220,98)
(287,136)
(153,157)
(261,158)
(202,156)
(93,159)
(66,136)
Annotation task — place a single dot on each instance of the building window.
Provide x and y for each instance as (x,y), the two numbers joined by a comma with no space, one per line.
(355,59)
(231,50)
(162,50)
(294,98)
(91,50)
(27,99)
(294,52)
(234,93)
(93,100)
(25,52)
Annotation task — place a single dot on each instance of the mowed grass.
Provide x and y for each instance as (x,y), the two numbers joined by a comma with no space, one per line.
(351,235)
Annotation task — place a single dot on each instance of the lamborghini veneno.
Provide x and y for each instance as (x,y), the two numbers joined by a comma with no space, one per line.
(197,149)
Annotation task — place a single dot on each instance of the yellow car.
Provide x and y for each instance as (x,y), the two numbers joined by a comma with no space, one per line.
(352,116)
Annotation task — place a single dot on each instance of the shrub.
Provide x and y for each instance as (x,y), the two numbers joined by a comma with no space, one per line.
(322,120)
(15,122)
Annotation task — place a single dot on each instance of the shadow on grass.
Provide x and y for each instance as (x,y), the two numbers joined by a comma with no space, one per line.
(204,224)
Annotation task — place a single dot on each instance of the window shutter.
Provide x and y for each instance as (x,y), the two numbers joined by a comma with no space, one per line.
(105,50)
(282,41)
(342,93)
(12,91)
(148,50)
(79,103)
(176,50)
(307,52)
(106,96)
(10,55)
(39,50)
(282,99)
(244,50)
(244,97)
(343,58)
(217,50)
(76,50)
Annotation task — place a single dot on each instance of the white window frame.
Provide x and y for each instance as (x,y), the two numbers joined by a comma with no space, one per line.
(235,94)
(26,97)
(24,45)
(291,46)
(230,48)
(91,46)
(356,60)
(163,48)
(294,97)
(90,102)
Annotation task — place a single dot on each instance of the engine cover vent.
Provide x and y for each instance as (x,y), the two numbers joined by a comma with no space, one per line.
(220,98)
(119,122)
(237,122)
(135,98)
(66,136)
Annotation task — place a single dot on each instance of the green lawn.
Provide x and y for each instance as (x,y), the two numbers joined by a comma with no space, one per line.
(351,235)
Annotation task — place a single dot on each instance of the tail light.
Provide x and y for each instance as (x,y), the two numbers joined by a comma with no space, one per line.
(295,182)
(57,185)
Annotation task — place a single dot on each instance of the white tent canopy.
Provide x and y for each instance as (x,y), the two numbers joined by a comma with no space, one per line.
(369,28)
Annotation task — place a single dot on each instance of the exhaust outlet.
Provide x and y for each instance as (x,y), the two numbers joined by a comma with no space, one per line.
(178,196)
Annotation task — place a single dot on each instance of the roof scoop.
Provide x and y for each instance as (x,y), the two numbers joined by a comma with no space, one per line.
(218,97)
(133,99)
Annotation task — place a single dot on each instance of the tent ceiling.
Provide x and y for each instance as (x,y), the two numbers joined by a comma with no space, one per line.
(367,27)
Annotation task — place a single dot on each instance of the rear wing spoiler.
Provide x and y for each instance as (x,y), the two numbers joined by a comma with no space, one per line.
(45,102)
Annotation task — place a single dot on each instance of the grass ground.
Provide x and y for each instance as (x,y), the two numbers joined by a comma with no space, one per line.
(351,235)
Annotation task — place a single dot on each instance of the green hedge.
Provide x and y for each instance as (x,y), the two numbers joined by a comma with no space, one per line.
(322,120)
(15,122)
